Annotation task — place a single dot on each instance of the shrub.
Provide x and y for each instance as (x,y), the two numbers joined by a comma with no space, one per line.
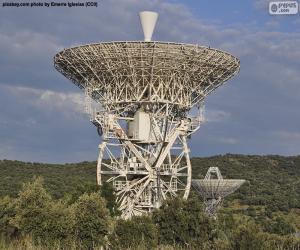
(184,223)
(92,221)
(7,212)
(31,208)
(36,214)
(134,233)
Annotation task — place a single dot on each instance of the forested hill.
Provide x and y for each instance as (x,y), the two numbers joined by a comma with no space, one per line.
(271,180)
(268,177)
(274,179)
(266,207)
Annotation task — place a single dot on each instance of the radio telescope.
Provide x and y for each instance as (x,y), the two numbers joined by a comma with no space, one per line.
(214,190)
(145,91)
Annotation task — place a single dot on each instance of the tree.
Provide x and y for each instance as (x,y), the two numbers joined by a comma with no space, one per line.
(280,226)
(184,223)
(7,212)
(92,221)
(135,233)
(31,208)
(248,237)
(58,224)
(37,214)
(107,193)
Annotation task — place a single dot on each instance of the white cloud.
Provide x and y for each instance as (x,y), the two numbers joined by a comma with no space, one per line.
(69,103)
(27,46)
(212,115)
(288,136)
(227,140)
(269,63)
(262,4)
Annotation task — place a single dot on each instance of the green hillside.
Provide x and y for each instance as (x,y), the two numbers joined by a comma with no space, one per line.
(271,180)
(59,179)
(266,207)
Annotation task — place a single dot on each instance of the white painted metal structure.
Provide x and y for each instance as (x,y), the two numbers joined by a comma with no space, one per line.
(145,91)
(213,188)
(148,21)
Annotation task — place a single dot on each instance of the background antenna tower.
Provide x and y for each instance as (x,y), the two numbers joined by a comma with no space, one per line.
(213,189)
(145,91)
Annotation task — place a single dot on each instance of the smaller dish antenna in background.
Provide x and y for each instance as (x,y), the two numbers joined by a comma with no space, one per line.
(213,189)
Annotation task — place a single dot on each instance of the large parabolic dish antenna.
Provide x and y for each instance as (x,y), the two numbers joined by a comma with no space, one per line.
(145,90)
(213,189)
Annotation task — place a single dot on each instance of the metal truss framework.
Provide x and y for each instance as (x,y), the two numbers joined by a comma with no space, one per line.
(125,73)
(162,82)
(213,189)
(145,173)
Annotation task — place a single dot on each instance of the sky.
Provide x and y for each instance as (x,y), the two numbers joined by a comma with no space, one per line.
(42,115)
